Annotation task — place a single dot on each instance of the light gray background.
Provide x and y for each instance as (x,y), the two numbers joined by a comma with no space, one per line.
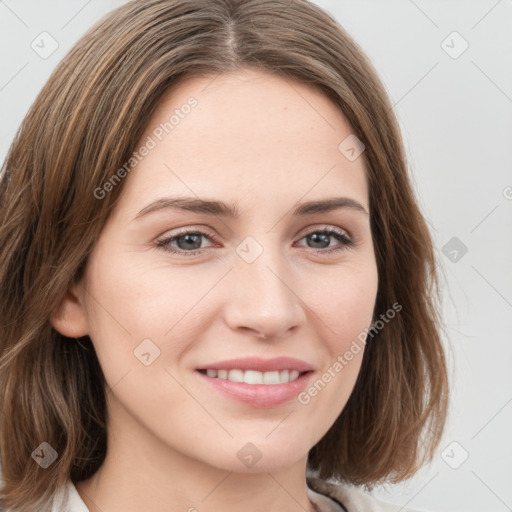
(455,113)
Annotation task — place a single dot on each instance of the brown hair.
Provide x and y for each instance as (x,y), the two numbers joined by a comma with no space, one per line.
(85,124)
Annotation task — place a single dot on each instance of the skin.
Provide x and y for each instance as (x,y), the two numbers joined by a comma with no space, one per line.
(266,143)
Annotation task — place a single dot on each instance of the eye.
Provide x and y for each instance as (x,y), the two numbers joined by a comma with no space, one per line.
(189,241)
(186,239)
(323,235)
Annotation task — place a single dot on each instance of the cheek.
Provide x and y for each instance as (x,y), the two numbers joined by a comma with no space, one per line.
(346,311)
(133,296)
(130,301)
(345,303)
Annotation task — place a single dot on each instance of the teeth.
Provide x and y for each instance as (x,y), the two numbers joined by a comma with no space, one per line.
(236,375)
(254,377)
(294,374)
(271,378)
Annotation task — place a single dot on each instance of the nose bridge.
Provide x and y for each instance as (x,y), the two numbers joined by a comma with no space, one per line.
(263,298)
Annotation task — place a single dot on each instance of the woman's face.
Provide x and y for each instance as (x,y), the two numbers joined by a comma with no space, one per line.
(162,312)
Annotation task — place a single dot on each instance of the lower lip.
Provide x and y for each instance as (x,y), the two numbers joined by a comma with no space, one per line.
(258,395)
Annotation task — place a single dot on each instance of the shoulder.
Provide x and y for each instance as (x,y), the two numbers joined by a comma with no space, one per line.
(352,498)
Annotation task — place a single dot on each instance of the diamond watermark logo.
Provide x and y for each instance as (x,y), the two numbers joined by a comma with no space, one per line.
(454,249)
(44,455)
(455,455)
(351,147)
(249,454)
(249,249)
(45,45)
(146,352)
(454,45)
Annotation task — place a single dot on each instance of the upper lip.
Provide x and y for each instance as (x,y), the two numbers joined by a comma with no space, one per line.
(262,365)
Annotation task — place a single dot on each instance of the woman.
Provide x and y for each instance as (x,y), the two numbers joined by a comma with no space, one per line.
(255,370)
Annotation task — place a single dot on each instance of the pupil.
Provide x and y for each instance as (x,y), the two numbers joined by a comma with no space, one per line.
(188,238)
(316,236)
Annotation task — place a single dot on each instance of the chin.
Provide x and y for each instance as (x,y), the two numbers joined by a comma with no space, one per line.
(259,455)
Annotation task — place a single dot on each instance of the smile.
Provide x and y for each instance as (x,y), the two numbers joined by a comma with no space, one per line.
(254,376)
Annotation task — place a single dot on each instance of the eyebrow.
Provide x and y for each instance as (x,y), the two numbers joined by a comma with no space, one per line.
(219,208)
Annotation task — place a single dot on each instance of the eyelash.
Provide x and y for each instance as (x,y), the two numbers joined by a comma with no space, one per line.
(164,243)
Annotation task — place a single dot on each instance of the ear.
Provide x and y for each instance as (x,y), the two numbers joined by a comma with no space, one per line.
(70,318)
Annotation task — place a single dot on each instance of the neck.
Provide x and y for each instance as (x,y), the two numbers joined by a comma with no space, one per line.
(140,472)
(191,488)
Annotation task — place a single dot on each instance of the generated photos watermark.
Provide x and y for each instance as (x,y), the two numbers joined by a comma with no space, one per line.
(344,359)
(151,142)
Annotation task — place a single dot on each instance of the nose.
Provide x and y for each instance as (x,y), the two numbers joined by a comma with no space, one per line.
(263,297)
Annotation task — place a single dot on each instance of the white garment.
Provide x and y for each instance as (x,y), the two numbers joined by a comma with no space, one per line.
(67,499)
(324,503)
(351,497)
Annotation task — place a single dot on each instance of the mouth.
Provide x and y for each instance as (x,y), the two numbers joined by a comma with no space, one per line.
(257,382)
(253,377)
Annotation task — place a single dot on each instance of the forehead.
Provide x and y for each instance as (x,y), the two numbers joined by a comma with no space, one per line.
(242,134)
